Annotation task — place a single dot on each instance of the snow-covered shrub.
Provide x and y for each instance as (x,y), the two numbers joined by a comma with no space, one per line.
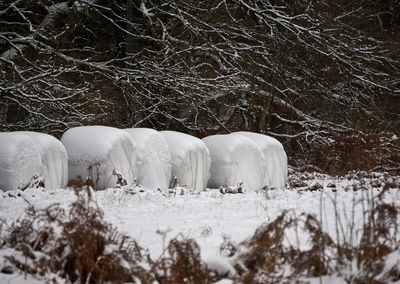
(190,160)
(266,258)
(275,158)
(235,159)
(153,158)
(19,161)
(54,159)
(76,245)
(369,254)
(181,263)
(100,153)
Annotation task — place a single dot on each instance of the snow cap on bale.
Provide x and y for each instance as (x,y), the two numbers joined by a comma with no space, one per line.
(100,152)
(275,158)
(153,158)
(54,159)
(235,159)
(190,160)
(19,161)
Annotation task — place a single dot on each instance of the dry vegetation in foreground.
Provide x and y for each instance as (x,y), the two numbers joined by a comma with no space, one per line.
(78,246)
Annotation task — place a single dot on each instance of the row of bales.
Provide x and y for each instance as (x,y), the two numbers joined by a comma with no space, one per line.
(155,159)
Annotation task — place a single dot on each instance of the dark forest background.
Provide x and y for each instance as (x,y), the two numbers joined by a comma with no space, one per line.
(323,77)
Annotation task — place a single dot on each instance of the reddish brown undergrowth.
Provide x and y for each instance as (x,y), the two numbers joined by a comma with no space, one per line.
(337,154)
(76,245)
(181,263)
(266,258)
(366,253)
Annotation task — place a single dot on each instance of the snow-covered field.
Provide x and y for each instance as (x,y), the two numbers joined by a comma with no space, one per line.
(210,216)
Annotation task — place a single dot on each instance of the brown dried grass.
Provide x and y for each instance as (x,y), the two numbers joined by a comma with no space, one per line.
(77,244)
(80,247)
(337,154)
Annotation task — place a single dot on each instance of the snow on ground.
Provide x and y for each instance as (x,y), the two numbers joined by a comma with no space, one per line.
(235,159)
(208,216)
(19,278)
(104,149)
(190,160)
(275,158)
(153,158)
(153,218)
(54,159)
(19,160)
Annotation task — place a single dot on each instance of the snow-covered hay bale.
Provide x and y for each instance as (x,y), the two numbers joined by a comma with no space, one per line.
(190,160)
(54,159)
(275,158)
(19,161)
(235,159)
(153,158)
(101,153)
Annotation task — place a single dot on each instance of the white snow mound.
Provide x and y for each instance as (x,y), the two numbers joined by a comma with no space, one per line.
(54,159)
(235,159)
(190,160)
(19,161)
(153,158)
(275,157)
(99,152)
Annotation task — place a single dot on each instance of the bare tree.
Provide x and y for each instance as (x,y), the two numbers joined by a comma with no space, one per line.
(291,69)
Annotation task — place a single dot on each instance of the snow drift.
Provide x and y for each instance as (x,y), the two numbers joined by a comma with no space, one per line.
(190,160)
(275,158)
(153,158)
(54,159)
(19,161)
(99,152)
(235,159)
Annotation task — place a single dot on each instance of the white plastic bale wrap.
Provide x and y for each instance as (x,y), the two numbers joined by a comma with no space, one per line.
(104,150)
(153,158)
(54,159)
(190,160)
(19,161)
(235,159)
(275,157)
